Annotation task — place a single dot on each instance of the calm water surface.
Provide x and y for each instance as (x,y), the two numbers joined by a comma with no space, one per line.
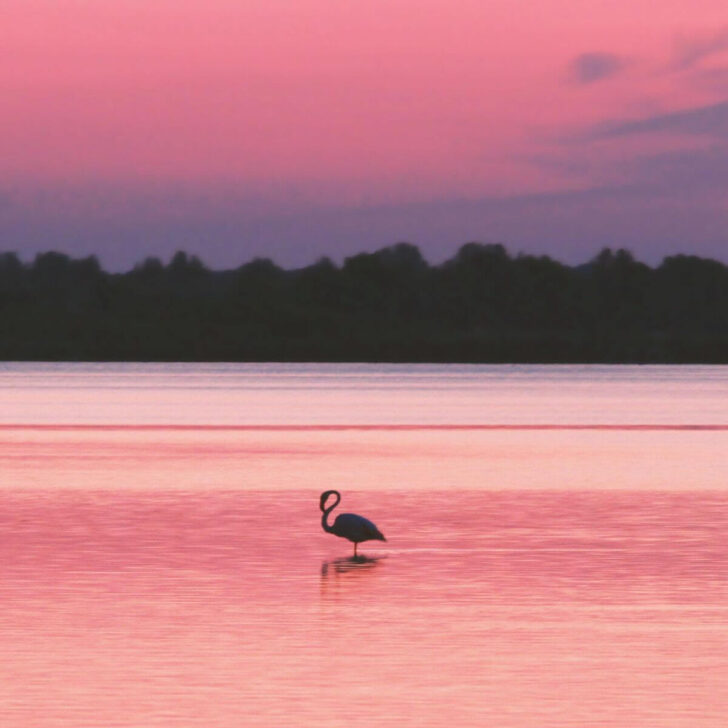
(557,554)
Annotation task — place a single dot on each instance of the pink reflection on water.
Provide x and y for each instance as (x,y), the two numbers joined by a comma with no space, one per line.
(496,608)
(542,575)
(170,458)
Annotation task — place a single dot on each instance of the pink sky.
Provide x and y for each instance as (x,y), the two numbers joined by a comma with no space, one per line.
(311,127)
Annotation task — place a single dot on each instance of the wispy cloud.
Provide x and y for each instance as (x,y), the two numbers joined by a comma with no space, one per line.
(690,51)
(589,68)
(695,169)
(698,170)
(711,121)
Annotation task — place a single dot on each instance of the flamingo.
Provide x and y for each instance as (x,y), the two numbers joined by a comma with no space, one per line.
(348,525)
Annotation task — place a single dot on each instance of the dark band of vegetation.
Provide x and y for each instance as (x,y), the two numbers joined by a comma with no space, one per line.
(483,305)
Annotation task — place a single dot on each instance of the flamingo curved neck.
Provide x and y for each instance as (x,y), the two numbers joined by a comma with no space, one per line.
(324,524)
(324,518)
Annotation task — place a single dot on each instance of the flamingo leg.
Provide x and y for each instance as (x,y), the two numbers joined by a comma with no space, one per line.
(355,545)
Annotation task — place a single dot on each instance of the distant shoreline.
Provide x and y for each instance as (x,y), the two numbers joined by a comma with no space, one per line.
(484,306)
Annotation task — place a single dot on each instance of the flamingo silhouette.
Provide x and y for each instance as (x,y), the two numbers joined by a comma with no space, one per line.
(348,525)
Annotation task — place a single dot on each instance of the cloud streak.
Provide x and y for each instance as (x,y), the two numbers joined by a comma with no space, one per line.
(710,121)
(689,52)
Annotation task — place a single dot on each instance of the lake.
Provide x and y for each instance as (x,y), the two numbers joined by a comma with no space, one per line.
(557,548)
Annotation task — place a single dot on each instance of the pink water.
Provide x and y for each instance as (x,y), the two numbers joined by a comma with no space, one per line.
(157,572)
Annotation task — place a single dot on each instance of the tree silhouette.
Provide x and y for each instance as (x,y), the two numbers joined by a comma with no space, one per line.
(482,305)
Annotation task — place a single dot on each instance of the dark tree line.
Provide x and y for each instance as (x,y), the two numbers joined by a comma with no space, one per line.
(483,305)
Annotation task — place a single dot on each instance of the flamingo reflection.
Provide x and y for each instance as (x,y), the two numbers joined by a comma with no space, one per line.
(349,564)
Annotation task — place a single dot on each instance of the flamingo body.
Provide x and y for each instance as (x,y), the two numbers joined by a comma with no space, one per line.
(356,528)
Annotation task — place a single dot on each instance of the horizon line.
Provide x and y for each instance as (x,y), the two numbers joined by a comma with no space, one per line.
(507,249)
(635,427)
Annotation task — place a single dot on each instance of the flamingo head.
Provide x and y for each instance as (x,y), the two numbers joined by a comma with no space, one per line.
(325,496)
